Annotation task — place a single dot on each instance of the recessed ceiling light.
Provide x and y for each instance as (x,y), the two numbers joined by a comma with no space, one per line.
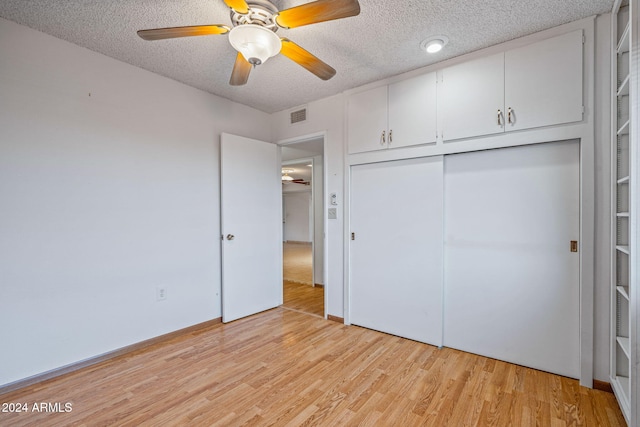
(434,44)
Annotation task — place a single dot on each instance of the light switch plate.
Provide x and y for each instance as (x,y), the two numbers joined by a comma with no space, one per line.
(333,213)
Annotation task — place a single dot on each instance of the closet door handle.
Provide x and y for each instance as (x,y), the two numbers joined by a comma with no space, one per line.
(510,116)
(383,138)
(499,117)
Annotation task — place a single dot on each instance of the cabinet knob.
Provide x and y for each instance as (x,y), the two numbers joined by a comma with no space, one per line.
(383,138)
(230,236)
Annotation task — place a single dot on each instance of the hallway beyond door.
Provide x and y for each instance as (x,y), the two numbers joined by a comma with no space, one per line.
(299,290)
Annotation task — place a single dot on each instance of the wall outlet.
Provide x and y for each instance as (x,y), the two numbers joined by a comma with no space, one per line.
(161,293)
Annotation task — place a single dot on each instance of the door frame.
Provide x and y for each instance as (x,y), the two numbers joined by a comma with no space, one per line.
(325,224)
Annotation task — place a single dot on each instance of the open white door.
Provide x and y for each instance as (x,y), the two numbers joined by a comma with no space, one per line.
(251,224)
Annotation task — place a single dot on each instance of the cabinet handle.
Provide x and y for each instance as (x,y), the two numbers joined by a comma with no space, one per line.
(499,118)
(390,136)
(383,138)
(509,116)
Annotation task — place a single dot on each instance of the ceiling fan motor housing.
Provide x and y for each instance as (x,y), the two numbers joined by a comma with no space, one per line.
(261,12)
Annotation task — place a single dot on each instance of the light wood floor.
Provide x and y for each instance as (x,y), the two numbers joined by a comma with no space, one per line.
(285,368)
(297,262)
(309,299)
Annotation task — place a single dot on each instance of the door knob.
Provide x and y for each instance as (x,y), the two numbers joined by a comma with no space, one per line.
(230,236)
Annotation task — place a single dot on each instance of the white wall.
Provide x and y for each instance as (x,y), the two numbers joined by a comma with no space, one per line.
(328,114)
(297,218)
(325,115)
(109,187)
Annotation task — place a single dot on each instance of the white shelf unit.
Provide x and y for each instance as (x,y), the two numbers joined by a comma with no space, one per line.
(623,343)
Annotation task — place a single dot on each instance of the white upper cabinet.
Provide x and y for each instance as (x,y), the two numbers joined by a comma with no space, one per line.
(412,111)
(367,120)
(540,84)
(472,98)
(398,115)
(543,83)
(536,85)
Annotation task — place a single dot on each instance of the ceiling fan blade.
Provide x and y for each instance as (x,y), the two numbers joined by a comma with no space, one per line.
(239,6)
(241,70)
(317,11)
(173,32)
(306,59)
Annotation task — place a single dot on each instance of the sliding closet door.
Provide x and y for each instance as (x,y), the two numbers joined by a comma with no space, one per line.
(396,248)
(511,279)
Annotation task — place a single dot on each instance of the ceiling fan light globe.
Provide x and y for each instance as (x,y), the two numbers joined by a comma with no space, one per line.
(255,43)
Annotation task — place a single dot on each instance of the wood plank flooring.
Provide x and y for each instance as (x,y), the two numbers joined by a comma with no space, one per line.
(309,299)
(285,368)
(297,262)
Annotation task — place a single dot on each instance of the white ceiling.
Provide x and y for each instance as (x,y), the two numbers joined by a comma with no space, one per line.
(381,42)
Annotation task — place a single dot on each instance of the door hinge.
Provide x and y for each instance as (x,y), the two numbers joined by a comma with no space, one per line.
(353,236)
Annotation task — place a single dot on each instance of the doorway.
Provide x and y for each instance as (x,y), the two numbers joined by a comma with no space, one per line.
(303,226)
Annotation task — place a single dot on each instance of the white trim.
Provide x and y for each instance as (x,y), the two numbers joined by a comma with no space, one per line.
(634,208)
(346,239)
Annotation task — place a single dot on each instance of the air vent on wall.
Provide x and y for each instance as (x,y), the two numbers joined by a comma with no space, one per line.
(299,116)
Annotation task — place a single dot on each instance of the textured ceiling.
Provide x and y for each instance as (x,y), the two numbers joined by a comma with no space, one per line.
(381,42)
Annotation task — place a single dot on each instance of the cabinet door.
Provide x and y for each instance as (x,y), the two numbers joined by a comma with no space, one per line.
(472,97)
(543,82)
(396,255)
(367,120)
(412,111)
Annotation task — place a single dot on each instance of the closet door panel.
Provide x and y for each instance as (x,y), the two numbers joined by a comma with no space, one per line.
(512,282)
(543,82)
(471,98)
(396,254)
(412,111)
(367,120)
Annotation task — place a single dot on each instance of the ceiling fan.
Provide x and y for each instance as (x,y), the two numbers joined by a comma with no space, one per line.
(287,179)
(253,33)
